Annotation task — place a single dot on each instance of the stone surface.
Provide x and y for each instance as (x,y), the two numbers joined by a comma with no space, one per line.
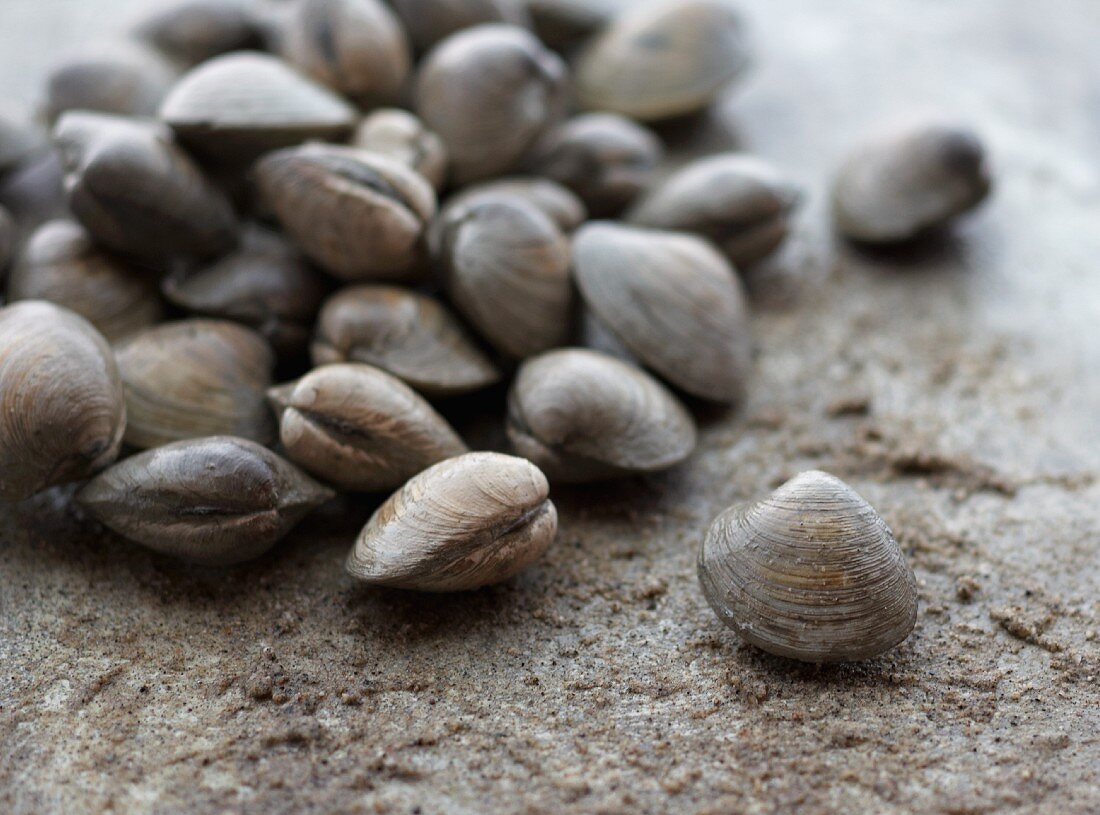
(954,385)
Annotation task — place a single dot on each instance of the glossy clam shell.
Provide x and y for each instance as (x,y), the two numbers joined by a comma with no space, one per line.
(811,572)
(739,202)
(563,206)
(401,136)
(606,159)
(195,378)
(361,429)
(908,180)
(235,107)
(213,501)
(431,21)
(673,301)
(61,408)
(507,269)
(121,78)
(359,215)
(464,523)
(138,193)
(61,264)
(584,416)
(489,92)
(193,31)
(355,47)
(408,334)
(664,59)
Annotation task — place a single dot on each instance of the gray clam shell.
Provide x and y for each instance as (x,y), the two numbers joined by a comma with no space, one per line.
(431,21)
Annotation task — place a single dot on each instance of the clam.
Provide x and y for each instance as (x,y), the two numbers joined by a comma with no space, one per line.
(61,408)
(195,378)
(810,572)
(399,135)
(606,159)
(123,78)
(138,193)
(34,192)
(565,24)
(506,266)
(663,59)
(193,31)
(464,523)
(564,207)
(672,300)
(584,416)
(20,139)
(408,334)
(361,429)
(265,284)
(355,47)
(738,201)
(490,92)
(908,180)
(359,215)
(430,21)
(235,107)
(213,501)
(61,264)
(7,240)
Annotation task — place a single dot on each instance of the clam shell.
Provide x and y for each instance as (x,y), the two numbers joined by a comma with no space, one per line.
(673,301)
(20,139)
(664,59)
(738,201)
(61,264)
(507,271)
(213,501)
(584,416)
(811,572)
(464,523)
(193,31)
(408,334)
(606,159)
(908,180)
(355,47)
(399,135)
(7,240)
(61,408)
(565,24)
(138,193)
(121,78)
(265,284)
(564,207)
(431,21)
(359,215)
(235,107)
(489,92)
(195,378)
(34,192)
(361,429)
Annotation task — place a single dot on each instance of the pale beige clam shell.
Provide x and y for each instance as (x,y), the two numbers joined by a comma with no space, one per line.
(401,136)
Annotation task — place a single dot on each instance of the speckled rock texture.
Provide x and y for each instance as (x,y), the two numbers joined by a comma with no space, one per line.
(954,385)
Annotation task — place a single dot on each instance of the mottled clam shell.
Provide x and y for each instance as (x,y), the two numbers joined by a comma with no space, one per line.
(507,269)
(462,524)
(584,416)
(811,572)
(122,78)
(408,334)
(195,378)
(673,301)
(193,31)
(739,202)
(431,21)
(138,193)
(355,47)
(401,136)
(361,429)
(360,215)
(489,92)
(61,408)
(213,501)
(606,159)
(908,180)
(61,264)
(663,59)
(236,107)
(265,284)
(564,207)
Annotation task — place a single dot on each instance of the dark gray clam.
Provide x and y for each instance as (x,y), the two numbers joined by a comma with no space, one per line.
(565,24)
(430,21)
(193,31)
(738,201)
(7,240)
(20,139)
(122,78)
(212,501)
(489,92)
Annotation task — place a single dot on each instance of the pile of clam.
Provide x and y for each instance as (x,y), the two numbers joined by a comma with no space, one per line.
(266,245)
